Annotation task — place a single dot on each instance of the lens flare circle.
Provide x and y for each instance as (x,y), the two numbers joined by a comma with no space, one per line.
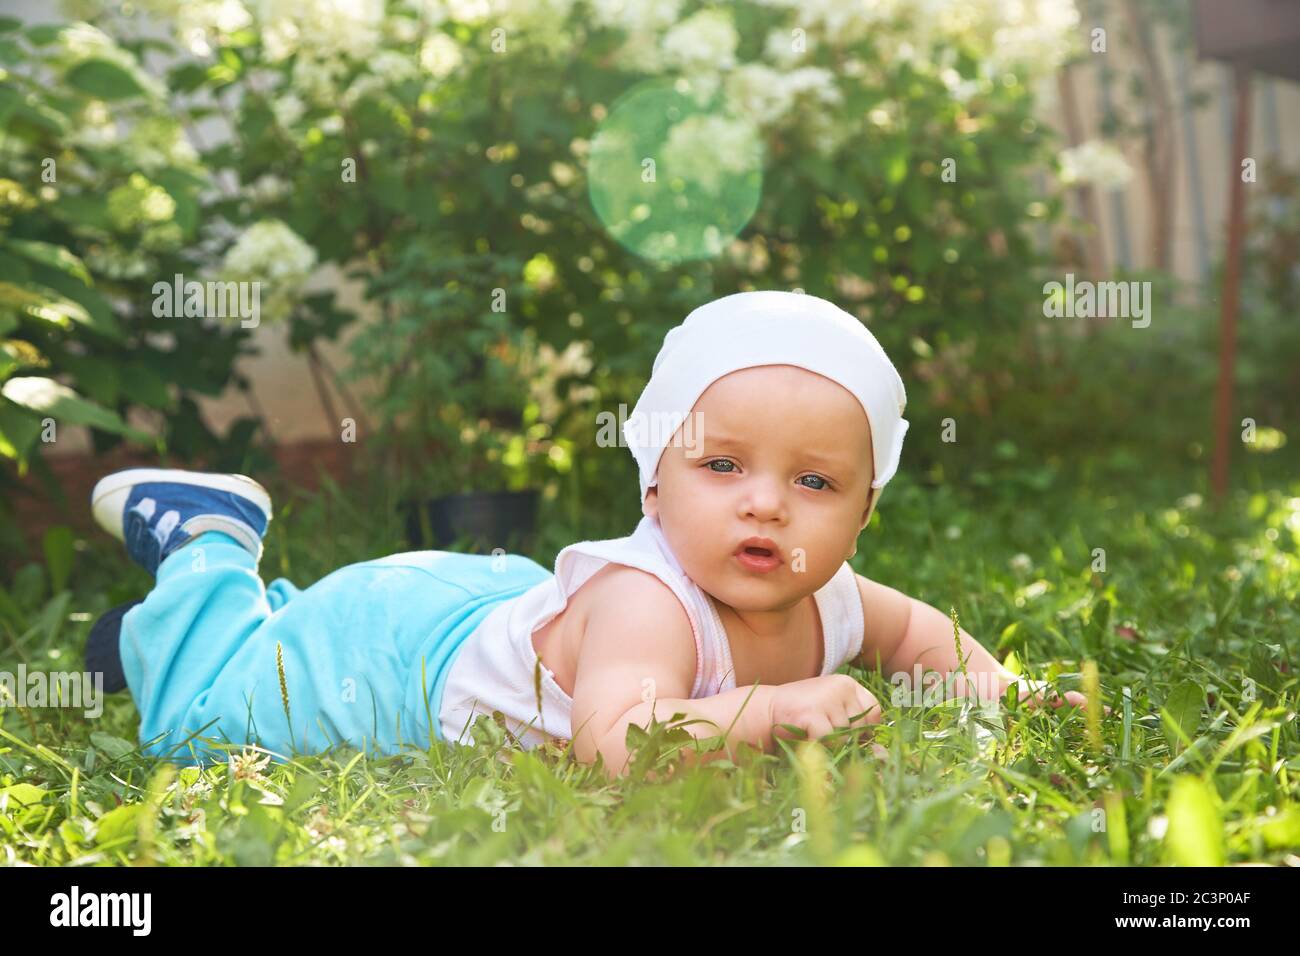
(673,174)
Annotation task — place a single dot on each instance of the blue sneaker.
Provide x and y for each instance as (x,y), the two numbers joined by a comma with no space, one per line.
(154,511)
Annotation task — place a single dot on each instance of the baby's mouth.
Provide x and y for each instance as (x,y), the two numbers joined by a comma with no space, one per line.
(761,547)
(758,554)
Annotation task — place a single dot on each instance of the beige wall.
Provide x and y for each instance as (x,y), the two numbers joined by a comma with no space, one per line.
(1274,131)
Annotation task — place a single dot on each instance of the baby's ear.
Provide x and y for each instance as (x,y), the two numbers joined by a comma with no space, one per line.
(866,514)
(650,506)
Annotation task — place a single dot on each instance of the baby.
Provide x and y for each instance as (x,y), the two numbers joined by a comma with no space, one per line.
(769,427)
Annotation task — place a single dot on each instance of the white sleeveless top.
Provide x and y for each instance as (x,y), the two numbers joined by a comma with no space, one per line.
(496,668)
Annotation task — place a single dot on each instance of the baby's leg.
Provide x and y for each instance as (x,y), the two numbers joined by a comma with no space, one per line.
(361,653)
(208,654)
(177,645)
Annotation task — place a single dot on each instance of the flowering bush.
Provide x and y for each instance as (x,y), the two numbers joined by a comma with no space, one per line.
(272,254)
(1096,163)
(886,145)
(99,198)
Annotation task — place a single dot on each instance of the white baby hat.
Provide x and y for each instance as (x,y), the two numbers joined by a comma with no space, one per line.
(767,328)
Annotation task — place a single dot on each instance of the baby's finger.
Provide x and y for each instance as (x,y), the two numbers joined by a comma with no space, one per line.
(821,727)
(1079,700)
(868,709)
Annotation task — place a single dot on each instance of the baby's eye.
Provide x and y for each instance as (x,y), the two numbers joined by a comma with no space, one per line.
(721,461)
(818,478)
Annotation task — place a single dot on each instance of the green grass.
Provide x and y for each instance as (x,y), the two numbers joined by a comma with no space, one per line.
(1192,627)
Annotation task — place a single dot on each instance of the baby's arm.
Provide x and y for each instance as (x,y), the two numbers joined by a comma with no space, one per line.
(638,657)
(901,632)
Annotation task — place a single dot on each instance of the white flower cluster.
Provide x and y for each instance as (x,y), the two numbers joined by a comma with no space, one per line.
(201,24)
(1097,163)
(640,17)
(780,47)
(705,40)
(273,254)
(115,262)
(464,11)
(440,55)
(267,188)
(642,21)
(837,20)
(766,95)
(328,28)
(1034,33)
(96,127)
(1030,36)
(387,68)
(708,149)
(272,250)
(159,142)
(538,24)
(288,109)
(317,77)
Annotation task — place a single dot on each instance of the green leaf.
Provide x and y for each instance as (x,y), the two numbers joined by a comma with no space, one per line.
(104,80)
(1283,830)
(51,255)
(45,306)
(14,268)
(110,746)
(1262,669)
(83,210)
(144,386)
(118,825)
(43,35)
(18,432)
(896,169)
(48,397)
(95,314)
(1181,714)
(187,78)
(11,613)
(9,24)
(23,795)
(96,378)
(1195,833)
(33,118)
(11,52)
(58,544)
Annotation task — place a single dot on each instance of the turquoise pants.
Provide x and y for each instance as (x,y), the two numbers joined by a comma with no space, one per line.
(364,652)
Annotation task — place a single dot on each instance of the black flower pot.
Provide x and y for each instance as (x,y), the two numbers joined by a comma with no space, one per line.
(480,521)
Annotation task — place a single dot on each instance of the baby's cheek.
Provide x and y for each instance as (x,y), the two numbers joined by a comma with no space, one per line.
(818,557)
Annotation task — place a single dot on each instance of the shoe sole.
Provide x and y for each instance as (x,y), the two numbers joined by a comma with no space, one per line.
(109,496)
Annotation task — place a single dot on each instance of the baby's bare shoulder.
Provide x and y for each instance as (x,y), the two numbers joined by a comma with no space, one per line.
(632,618)
(622,590)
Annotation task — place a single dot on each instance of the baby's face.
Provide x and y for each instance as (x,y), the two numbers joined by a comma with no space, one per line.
(776,452)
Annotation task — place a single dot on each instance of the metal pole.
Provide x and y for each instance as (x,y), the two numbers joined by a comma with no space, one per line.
(1228,301)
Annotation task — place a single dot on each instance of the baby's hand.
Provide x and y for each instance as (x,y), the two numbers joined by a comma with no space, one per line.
(1034,693)
(820,705)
